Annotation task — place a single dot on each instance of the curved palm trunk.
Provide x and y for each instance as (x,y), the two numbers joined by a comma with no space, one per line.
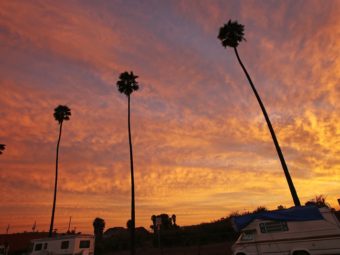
(132,231)
(277,146)
(55,182)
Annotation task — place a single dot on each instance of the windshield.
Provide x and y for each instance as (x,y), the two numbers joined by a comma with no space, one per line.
(248,235)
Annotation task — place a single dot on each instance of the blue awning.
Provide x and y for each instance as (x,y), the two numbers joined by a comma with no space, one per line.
(298,213)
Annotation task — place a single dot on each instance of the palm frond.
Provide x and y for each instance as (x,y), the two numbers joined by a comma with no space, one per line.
(127,83)
(61,113)
(231,34)
(2,148)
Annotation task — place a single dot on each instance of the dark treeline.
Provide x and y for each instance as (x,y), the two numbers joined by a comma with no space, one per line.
(166,233)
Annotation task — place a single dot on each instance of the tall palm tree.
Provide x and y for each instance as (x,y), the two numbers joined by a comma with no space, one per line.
(231,34)
(126,85)
(2,148)
(61,113)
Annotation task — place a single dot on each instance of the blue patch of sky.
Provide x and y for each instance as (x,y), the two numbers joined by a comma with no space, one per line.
(44,69)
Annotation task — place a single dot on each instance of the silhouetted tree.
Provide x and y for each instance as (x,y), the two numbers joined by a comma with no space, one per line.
(260,209)
(98,228)
(129,224)
(61,113)
(319,201)
(2,148)
(281,207)
(153,219)
(173,217)
(166,222)
(231,34)
(126,85)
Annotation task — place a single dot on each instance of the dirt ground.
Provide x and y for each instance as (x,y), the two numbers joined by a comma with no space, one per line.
(211,249)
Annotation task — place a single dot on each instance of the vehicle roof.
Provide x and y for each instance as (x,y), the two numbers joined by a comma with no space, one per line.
(62,237)
(297,213)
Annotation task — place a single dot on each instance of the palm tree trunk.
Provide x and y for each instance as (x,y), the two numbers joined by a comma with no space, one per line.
(277,146)
(55,182)
(132,186)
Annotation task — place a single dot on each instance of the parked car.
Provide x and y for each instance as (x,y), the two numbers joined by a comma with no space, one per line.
(305,230)
(64,244)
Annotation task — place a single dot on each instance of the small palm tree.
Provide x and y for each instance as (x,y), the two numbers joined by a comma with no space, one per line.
(61,113)
(2,148)
(173,217)
(98,228)
(127,84)
(231,34)
(153,226)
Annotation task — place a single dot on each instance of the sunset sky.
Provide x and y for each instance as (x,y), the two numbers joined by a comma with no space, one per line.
(201,145)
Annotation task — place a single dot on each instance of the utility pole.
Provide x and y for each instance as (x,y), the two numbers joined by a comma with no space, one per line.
(34,226)
(69,225)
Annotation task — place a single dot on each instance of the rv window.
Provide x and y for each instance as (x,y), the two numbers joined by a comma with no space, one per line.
(64,244)
(84,244)
(276,226)
(248,235)
(38,247)
(45,246)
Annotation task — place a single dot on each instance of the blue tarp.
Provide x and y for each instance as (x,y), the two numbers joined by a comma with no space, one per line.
(298,213)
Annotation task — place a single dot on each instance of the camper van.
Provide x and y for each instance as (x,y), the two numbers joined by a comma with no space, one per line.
(4,249)
(64,244)
(304,230)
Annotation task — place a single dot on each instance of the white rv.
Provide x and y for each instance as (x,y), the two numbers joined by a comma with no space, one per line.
(296,231)
(63,244)
(4,250)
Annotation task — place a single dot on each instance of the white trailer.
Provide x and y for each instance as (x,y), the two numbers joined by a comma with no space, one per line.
(282,233)
(79,244)
(4,249)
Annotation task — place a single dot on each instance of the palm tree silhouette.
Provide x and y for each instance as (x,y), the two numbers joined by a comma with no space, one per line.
(231,34)
(2,148)
(61,113)
(173,217)
(153,219)
(126,85)
(98,228)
